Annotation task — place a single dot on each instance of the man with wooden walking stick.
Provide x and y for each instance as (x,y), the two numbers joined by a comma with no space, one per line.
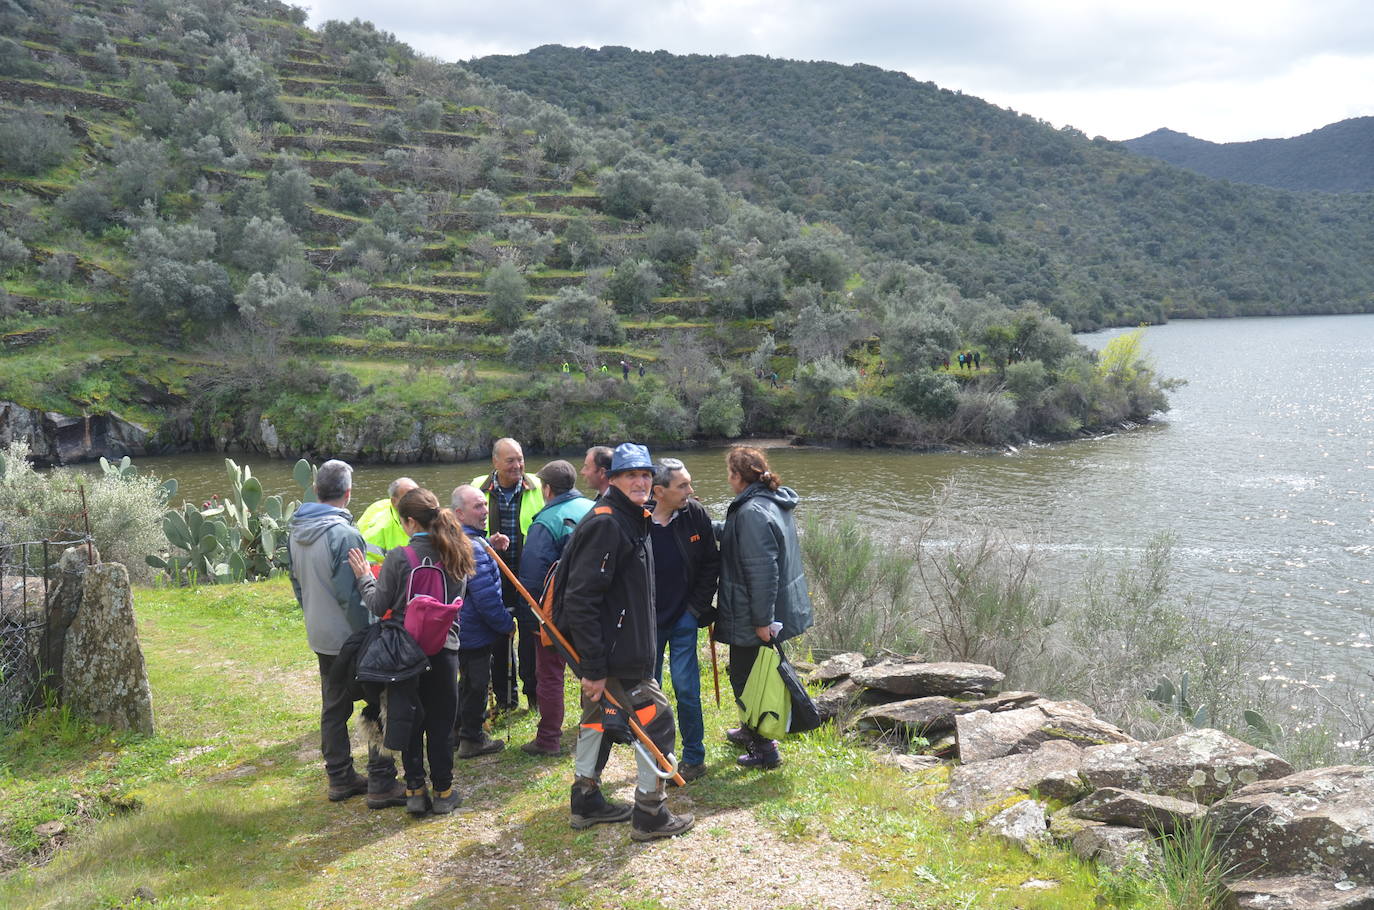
(604,604)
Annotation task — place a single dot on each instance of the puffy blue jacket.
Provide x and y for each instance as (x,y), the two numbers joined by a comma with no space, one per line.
(484,619)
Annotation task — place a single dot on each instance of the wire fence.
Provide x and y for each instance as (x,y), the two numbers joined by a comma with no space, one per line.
(27,570)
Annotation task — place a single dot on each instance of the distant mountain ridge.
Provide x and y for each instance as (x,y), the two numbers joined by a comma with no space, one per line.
(1002,204)
(1338,158)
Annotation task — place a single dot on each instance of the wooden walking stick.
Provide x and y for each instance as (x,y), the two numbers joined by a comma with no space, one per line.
(715,667)
(668,765)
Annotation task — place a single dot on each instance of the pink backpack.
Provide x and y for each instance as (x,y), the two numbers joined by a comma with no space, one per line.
(429,617)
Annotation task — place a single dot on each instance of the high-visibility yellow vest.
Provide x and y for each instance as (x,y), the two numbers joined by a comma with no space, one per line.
(381,529)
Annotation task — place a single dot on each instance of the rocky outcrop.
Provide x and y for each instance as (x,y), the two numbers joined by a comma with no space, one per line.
(1149,811)
(1312,822)
(991,734)
(837,668)
(914,678)
(103,675)
(1296,892)
(934,714)
(976,787)
(1023,823)
(1118,847)
(55,438)
(1201,765)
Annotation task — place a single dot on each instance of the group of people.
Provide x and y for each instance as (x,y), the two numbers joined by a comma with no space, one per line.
(626,367)
(634,574)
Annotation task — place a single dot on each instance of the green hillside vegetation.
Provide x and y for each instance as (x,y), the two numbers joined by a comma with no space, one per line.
(1338,158)
(997,202)
(238,231)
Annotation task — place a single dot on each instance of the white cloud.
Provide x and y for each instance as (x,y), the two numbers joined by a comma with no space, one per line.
(1219,69)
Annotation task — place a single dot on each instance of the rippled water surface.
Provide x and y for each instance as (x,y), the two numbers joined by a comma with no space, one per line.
(1262,472)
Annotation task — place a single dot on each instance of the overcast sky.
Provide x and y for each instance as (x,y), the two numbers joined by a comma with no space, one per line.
(1224,70)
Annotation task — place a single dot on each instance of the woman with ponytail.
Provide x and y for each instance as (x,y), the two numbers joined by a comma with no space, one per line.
(762,595)
(436,535)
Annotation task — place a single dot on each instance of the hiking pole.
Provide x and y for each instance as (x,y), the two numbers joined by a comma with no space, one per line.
(645,743)
(715,667)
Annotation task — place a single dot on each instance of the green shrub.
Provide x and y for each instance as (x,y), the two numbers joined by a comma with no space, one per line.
(125,512)
(32,142)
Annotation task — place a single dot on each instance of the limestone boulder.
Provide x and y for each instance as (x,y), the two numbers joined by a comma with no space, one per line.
(1201,765)
(837,668)
(1137,810)
(1299,892)
(973,788)
(1118,847)
(934,714)
(1307,823)
(914,678)
(103,675)
(1022,824)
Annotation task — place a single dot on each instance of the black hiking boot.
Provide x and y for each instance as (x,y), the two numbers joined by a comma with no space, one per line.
(653,825)
(762,754)
(589,808)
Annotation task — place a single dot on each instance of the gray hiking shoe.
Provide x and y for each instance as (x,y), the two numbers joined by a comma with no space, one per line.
(660,824)
(589,808)
(471,748)
(417,801)
(446,802)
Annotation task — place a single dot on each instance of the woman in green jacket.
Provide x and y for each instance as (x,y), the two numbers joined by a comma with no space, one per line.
(763,594)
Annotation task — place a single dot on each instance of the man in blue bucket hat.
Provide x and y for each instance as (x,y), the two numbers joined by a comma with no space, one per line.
(605,606)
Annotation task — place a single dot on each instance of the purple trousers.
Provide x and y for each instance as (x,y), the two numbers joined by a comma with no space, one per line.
(548,674)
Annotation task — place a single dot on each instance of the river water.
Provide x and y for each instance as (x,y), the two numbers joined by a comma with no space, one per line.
(1262,472)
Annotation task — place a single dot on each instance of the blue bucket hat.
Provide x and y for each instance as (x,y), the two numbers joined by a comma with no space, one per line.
(630,456)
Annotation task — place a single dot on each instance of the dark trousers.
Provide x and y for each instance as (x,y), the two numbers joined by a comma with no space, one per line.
(742,659)
(336,708)
(474,676)
(432,735)
(508,694)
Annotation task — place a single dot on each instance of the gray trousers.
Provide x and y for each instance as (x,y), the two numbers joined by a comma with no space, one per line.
(643,699)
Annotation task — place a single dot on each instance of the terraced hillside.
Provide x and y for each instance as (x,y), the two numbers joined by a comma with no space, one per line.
(233,231)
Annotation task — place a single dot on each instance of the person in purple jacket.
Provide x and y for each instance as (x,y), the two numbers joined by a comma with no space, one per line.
(485,625)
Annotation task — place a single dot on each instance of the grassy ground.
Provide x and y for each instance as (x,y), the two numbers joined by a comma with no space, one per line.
(225,807)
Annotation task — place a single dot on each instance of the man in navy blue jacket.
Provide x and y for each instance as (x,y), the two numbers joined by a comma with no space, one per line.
(484,625)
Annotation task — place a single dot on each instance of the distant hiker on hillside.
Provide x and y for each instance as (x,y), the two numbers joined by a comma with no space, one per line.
(686,567)
(763,594)
(563,508)
(322,535)
(436,536)
(381,526)
(977,361)
(624,371)
(606,609)
(641,369)
(486,626)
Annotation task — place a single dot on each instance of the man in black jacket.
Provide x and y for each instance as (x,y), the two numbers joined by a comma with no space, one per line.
(686,568)
(607,611)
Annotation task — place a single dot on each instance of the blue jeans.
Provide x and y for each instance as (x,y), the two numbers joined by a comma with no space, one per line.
(681,642)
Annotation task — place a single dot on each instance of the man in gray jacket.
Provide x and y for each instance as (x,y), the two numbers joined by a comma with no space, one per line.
(322,533)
